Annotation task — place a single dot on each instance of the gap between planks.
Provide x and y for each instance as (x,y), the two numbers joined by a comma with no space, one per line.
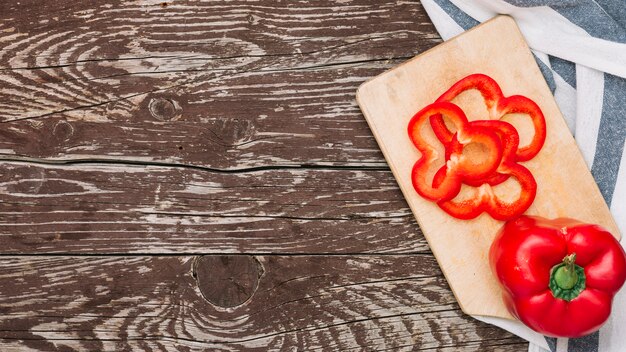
(376,166)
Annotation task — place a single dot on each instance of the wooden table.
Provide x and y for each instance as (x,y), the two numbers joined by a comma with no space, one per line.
(197,176)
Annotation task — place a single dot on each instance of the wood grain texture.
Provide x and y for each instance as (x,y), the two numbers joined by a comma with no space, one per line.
(312,303)
(246,83)
(148,209)
(135,127)
(223,93)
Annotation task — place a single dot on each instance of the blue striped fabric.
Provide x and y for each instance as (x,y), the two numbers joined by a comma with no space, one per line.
(611,136)
(604,19)
(597,21)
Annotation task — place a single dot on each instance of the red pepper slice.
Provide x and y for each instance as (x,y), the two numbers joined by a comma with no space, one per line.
(558,276)
(458,166)
(484,199)
(498,106)
(510,141)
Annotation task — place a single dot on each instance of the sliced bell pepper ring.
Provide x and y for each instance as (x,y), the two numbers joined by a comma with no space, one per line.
(458,167)
(485,200)
(510,141)
(498,106)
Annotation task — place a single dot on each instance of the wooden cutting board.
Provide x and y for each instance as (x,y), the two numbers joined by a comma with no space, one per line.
(565,185)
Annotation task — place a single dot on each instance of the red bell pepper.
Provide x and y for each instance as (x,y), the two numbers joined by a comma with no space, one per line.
(483,198)
(510,141)
(558,276)
(458,166)
(498,106)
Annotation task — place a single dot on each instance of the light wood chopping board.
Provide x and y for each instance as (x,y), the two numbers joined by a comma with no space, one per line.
(565,186)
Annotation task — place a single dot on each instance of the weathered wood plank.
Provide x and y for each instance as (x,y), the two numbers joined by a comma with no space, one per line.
(307,303)
(223,85)
(274,89)
(270,119)
(147,209)
(257,88)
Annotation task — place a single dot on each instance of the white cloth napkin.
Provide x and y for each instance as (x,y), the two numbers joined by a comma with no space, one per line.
(580,47)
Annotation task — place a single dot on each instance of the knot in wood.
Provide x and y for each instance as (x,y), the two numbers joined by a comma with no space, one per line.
(62,131)
(232,132)
(30,181)
(227,280)
(165,109)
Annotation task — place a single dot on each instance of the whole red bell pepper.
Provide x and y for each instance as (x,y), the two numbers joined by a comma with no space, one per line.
(558,276)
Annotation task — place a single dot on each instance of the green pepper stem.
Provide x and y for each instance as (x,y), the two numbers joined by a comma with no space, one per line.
(567,280)
(569,260)
(566,276)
